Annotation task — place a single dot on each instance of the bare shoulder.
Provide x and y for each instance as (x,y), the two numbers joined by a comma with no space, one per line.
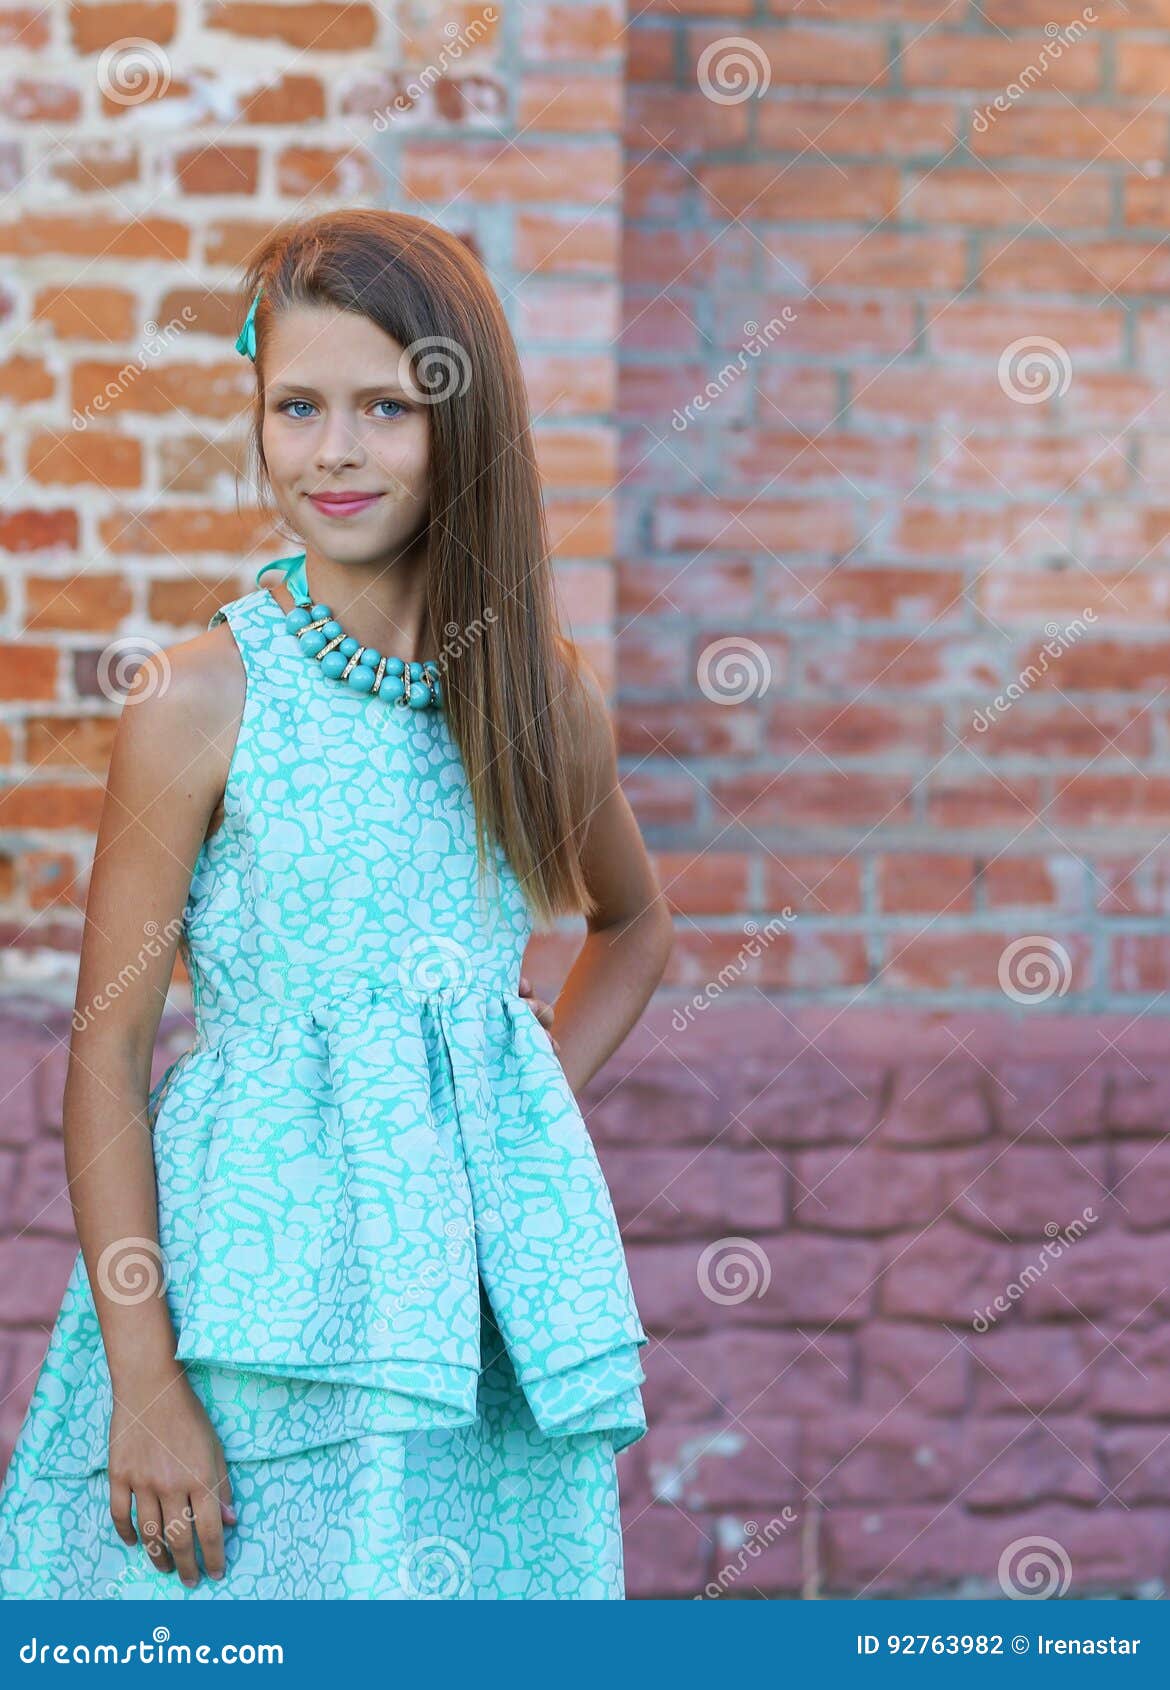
(182,712)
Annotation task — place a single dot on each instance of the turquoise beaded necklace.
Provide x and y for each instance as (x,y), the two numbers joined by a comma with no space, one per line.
(345,659)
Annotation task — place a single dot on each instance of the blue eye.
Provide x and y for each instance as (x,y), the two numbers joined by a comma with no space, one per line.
(289,402)
(389,402)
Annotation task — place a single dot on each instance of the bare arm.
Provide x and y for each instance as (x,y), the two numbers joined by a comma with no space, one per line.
(630,935)
(165,781)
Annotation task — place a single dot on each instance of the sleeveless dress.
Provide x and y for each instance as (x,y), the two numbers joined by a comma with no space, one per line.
(388,1249)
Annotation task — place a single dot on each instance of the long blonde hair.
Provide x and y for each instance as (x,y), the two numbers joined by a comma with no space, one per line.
(513,691)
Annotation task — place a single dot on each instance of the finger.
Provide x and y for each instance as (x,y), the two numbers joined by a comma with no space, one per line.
(120,1511)
(209,1530)
(150,1529)
(180,1537)
(227,1506)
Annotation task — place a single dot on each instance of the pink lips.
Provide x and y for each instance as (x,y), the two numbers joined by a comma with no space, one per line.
(343,504)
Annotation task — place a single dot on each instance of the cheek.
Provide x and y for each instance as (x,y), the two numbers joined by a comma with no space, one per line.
(283,450)
(405,459)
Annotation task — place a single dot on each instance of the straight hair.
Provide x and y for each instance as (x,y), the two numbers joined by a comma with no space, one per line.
(513,686)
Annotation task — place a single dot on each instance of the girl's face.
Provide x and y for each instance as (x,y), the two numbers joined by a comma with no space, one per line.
(341,418)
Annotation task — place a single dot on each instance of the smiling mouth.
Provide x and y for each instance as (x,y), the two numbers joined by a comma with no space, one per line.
(340,504)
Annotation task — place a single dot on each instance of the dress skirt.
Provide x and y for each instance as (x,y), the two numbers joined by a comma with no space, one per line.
(489,1510)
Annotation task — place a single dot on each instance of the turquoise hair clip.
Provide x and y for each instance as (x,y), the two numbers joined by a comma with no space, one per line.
(246,339)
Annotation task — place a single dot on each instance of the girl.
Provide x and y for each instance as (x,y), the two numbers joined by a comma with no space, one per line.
(351,1316)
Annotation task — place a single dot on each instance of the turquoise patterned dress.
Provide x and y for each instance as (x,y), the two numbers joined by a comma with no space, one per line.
(388,1248)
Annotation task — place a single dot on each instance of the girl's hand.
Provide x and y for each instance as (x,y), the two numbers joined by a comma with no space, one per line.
(165,1451)
(543,1011)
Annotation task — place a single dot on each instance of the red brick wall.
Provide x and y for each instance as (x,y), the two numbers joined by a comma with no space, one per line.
(911,1023)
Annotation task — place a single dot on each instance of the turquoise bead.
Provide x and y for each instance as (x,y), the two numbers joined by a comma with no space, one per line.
(322,610)
(360,678)
(348,645)
(395,666)
(372,656)
(297,619)
(332,664)
(416,672)
(419,697)
(314,643)
(333,630)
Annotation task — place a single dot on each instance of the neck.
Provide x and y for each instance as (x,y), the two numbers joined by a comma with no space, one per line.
(382,603)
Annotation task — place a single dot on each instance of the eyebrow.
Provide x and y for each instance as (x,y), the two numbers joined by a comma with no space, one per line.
(387,387)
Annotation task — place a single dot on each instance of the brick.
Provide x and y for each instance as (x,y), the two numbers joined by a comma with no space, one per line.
(157,239)
(942,1274)
(492,173)
(92,28)
(181,532)
(40,1196)
(1035,1192)
(1035,1098)
(44,805)
(903,1364)
(33,1274)
(217,170)
(750,1464)
(791,1280)
(288,98)
(83,456)
(318,28)
(25,380)
(35,530)
(87,313)
(1020,1461)
(80,602)
(303,171)
(681,1193)
(113,392)
(872,1190)
(1040,1369)
(805,1096)
(852,1456)
(812,884)
(912,882)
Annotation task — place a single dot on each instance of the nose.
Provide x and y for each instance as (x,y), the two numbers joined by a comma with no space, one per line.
(338,443)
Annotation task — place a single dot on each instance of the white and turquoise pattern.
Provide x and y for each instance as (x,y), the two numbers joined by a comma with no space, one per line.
(390,1254)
